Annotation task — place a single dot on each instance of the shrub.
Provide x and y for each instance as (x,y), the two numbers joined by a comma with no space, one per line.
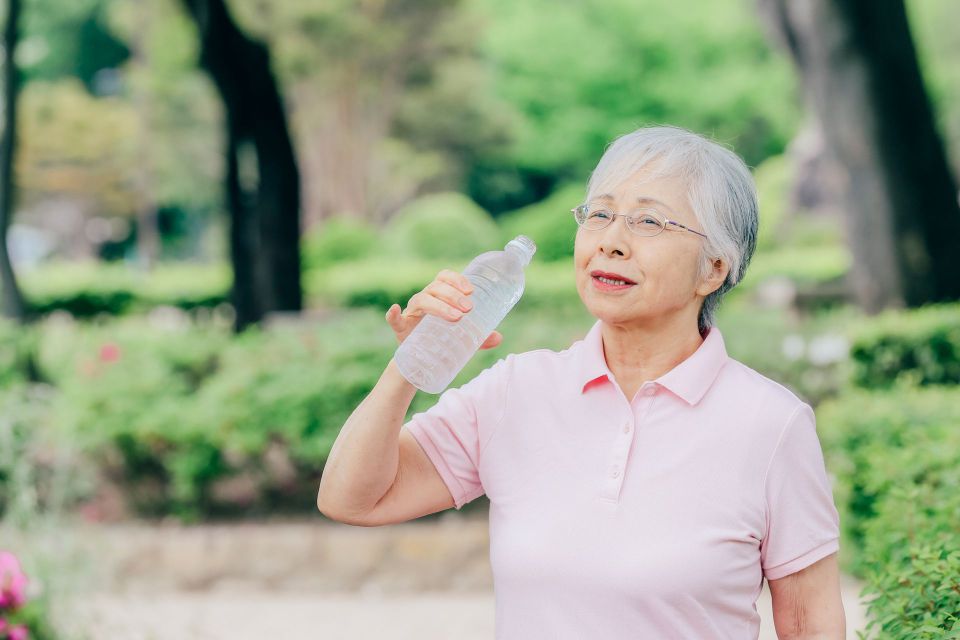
(379,283)
(894,455)
(17,346)
(87,290)
(921,346)
(337,239)
(447,226)
(773,179)
(548,222)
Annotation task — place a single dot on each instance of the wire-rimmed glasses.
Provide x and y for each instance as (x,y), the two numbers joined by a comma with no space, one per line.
(648,223)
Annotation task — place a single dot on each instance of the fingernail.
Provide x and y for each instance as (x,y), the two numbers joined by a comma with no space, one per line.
(465,303)
(453,313)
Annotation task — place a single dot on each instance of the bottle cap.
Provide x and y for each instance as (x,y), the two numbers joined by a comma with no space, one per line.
(523,247)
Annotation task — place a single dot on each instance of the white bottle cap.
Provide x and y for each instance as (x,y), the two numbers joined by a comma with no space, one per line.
(523,247)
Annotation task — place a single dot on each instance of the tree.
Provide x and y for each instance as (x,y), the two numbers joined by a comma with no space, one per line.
(861,79)
(11,303)
(262,178)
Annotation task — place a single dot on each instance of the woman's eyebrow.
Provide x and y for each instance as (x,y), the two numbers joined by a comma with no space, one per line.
(641,200)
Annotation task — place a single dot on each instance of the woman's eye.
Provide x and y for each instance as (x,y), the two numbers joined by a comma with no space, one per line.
(649,220)
(596,214)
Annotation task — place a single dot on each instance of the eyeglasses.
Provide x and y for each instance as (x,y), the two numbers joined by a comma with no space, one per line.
(648,223)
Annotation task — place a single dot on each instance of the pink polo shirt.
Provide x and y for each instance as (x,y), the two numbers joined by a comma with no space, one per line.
(656,516)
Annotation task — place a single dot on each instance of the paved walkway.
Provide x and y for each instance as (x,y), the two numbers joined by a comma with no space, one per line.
(254,616)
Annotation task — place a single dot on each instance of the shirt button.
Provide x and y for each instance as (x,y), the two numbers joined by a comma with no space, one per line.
(616,473)
(626,428)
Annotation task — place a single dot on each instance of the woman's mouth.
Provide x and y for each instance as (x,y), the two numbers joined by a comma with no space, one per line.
(608,284)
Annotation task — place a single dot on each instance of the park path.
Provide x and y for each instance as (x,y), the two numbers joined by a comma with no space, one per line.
(428,579)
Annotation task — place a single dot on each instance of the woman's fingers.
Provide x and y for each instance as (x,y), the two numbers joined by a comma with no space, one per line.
(447,297)
(493,340)
(454,297)
(457,280)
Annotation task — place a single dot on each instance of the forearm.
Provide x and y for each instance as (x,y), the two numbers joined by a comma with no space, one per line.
(363,462)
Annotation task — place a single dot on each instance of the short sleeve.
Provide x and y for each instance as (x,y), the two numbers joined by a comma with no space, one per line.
(802,521)
(454,431)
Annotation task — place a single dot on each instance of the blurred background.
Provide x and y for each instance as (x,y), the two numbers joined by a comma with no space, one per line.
(209,205)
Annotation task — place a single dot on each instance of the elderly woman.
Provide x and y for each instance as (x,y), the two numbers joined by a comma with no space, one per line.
(642,483)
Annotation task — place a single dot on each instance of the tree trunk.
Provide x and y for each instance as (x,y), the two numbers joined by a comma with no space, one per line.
(11,304)
(262,181)
(861,79)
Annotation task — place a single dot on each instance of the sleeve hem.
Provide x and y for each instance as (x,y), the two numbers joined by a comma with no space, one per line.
(802,562)
(428,446)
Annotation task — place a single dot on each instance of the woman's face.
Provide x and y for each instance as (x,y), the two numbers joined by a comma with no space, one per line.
(664,267)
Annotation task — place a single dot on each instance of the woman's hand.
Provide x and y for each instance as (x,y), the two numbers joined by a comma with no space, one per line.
(447,297)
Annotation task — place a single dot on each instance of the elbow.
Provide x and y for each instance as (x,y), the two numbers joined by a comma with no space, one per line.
(336,515)
(323,504)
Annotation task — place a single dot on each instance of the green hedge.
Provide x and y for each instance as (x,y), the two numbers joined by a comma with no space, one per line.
(920,346)
(894,454)
(87,290)
(549,223)
(338,239)
(381,283)
(446,225)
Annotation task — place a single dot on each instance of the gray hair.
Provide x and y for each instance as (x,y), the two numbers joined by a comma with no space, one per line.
(721,191)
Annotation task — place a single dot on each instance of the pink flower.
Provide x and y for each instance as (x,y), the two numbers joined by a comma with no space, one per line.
(3,625)
(110,352)
(18,632)
(13,582)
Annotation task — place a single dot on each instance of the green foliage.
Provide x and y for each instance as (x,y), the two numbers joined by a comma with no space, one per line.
(337,239)
(809,356)
(17,346)
(800,265)
(548,222)
(442,226)
(582,73)
(921,346)
(894,455)
(380,283)
(773,178)
(88,289)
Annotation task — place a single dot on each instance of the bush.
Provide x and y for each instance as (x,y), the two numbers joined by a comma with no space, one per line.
(921,346)
(87,290)
(379,283)
(446,226)
(773,179)
(894,454)
(17,349)
(548,222)
(339,239)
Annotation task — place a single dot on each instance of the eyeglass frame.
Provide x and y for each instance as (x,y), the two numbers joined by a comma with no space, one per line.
(613,216)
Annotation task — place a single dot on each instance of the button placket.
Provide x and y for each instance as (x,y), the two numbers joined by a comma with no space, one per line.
(617,470)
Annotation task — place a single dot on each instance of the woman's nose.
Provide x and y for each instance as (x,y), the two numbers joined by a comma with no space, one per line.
(614,235)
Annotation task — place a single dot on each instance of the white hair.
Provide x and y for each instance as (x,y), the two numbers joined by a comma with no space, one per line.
(720,189)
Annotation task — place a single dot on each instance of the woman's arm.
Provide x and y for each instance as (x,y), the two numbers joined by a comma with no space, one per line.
(807,604)
(363,462)
(374,474)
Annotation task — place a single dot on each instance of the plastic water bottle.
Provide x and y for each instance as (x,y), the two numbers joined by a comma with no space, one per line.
(438,349)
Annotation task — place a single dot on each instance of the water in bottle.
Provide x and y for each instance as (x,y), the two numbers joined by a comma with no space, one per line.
(438,349)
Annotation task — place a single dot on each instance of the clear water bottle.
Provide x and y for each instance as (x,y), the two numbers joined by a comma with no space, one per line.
(438,349)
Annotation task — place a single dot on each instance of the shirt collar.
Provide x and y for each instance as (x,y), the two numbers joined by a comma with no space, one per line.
(690,379)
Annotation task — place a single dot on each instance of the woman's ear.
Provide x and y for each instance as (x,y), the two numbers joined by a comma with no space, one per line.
(714,279)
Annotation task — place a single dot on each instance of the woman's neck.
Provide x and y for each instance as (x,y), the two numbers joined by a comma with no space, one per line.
(639,354)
